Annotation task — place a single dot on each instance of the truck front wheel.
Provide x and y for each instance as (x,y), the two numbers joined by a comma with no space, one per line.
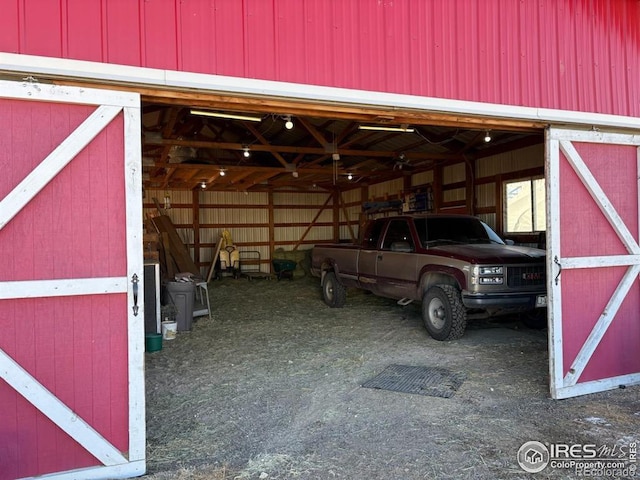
(443,313)
(334,293)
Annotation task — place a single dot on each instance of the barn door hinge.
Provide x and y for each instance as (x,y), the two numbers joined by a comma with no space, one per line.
(135,281)
(557,262)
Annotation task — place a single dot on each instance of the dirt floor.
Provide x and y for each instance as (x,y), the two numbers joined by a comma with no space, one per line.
(271,389)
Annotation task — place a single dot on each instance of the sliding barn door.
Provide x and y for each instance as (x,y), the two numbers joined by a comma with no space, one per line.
(593,260)
(71,319)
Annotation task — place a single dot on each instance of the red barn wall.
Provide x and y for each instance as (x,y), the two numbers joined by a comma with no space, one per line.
(574,54)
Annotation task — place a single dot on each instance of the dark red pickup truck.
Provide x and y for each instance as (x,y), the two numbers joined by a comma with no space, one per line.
(454,264)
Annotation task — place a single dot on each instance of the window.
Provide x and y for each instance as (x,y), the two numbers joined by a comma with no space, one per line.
(372,235)
(398,233)
(524,206)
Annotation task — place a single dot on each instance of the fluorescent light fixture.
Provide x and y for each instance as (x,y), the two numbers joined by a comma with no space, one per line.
(233,116)
(383,128)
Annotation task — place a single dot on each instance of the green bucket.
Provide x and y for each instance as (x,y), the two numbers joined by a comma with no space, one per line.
(153,342)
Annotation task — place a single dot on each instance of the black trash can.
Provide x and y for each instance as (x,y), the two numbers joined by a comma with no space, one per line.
(182,295)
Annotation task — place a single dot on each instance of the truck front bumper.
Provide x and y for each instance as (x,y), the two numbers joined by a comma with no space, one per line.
(505,301)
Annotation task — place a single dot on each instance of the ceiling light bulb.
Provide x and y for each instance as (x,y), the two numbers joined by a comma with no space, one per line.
(349,176)
(295,174)
(246,152)
(288,123)
(203,185)
(222,173)
(487,136)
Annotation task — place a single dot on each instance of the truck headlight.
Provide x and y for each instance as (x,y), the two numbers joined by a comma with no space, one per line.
(491,270)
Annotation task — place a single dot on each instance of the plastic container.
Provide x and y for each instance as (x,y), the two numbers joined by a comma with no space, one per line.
(153,342)
(169,330)
(182,295)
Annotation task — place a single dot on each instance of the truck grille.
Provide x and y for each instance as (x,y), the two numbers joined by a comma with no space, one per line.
(526,276)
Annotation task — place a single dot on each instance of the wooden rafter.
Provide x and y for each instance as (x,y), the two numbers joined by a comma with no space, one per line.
(294,149)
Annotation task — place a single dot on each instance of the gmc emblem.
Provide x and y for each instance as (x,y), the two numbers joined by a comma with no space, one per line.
(532,276)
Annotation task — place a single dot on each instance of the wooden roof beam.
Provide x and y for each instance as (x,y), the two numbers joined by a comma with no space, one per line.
(288,149)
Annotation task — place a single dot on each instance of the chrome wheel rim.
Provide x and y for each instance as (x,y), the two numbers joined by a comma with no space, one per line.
(436,313)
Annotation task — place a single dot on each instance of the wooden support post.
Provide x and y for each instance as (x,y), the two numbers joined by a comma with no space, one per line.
(346,217)
(364,196)
(272,231)
(470,194)
(196,226)
(336,216)
(406,184)
(437,188)
(499,205)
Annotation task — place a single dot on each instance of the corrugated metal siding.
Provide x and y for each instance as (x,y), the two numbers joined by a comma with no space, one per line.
(486,195)
(392,187)
(296,215)
(234,198)
(293,234)
(422,178)
(294,198)
(455,195)
(575,54)
(247,217)
(230,217)
(349,196)
(453,173)
(530,157)
(290,224)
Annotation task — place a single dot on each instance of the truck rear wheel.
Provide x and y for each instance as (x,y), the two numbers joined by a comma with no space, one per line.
(443,313)
(334,293)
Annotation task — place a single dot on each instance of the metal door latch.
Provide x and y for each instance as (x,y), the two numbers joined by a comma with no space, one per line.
(135,280)
(555,260)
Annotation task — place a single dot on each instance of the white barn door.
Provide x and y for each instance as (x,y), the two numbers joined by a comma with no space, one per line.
(71,301)
(593,260)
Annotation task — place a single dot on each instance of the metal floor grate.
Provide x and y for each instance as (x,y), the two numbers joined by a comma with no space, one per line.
(431,381)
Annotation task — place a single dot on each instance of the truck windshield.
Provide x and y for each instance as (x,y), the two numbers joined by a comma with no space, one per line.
(435,231)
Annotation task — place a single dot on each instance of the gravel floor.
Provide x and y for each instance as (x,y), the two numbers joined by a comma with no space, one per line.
(271,390)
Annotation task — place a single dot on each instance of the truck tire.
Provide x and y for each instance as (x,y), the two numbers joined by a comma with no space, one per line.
(535,319)
(443,313)
(334,293)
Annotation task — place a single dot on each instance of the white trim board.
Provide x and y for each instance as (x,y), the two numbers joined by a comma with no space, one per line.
(62,287)
(127,75)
